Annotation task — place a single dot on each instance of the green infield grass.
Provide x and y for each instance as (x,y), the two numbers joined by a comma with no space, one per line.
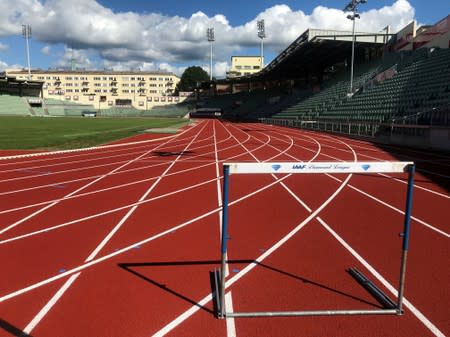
(74,132)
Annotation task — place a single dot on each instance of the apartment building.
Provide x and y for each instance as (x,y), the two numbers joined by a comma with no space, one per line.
(244,65)
(103,89)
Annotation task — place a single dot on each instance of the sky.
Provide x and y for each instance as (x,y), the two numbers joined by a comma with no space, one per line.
(170,35)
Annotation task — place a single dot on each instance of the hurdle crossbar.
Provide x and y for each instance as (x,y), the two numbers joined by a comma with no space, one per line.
(390,308)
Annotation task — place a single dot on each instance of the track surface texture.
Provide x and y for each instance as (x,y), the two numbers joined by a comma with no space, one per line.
(120,240)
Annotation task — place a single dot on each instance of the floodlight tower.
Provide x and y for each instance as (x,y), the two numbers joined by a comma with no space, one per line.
(352,6)
(210,36)
(261,35)
(26,32)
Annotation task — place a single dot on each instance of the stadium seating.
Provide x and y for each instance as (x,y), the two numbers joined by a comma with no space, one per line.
(13,105)
(421,83)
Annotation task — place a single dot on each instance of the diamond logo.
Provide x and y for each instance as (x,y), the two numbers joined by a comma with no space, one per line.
(276,167)
(365,167)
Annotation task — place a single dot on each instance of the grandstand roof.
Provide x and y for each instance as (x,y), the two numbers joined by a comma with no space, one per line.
(316,50)
(14,86)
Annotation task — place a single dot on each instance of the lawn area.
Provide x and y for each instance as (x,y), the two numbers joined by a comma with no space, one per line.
(74,132)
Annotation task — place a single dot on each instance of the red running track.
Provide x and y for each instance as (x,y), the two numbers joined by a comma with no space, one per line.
(120,240)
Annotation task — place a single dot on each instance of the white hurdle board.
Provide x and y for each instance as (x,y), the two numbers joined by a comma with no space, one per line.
(319,167)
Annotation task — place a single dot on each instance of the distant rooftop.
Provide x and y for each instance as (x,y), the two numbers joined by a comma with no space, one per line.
(93,72)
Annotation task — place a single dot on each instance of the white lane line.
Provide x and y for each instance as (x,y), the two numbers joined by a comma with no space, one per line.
(437,230)
(231,326)
(44,162)
(156,164)
(416,186)
(36,319)
(15,224)
(77,169)
(91,157)
(43,312)
(408,304)
(382,202)
(391,177)
(39,154)
(191,311)
(420,316)
(48,229)
(132,246)
(110,211)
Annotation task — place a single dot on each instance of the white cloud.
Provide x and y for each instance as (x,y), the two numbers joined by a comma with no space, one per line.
(80,59)
(220,69)
(46,50)
(3,47)
(4,66)
(150,40)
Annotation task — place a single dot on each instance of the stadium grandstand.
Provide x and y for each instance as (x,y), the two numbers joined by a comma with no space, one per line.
(398,92)
(77,93)
(19,96)
(400,89)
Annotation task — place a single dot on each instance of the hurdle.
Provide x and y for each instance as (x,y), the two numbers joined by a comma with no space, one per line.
(389,306)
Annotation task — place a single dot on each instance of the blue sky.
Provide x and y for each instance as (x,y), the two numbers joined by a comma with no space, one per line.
(171,34)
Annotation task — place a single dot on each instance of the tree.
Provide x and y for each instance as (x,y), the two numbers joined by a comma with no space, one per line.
(191,78)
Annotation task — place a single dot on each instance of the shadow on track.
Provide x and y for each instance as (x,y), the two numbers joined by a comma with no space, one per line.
(172,153)
(12,330)
(432,165)
(128,267)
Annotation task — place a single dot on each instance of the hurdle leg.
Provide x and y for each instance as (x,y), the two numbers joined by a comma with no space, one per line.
(405,234)
(226,173)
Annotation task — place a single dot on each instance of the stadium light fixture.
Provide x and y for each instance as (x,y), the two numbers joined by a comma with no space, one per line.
(26,32)
(261,34)
(211,39)
(352,6)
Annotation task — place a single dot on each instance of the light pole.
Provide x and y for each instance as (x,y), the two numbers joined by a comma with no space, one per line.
(210,36)
(26,32)
(261,35)
(352,6)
